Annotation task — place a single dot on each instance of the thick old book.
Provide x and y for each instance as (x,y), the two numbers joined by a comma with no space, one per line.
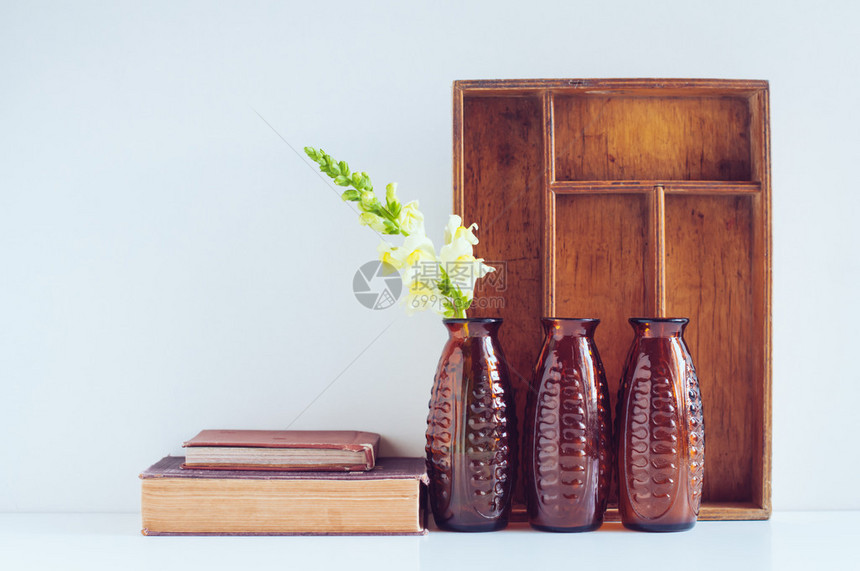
(385,500)
(313,450)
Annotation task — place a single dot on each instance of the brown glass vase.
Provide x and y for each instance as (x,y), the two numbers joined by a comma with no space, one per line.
(567,445)
(471,440)
(660,430)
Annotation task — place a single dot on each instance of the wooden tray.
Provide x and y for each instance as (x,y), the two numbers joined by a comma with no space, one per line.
(630,198)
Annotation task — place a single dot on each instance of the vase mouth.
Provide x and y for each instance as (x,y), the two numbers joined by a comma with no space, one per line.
(659,326)
(460,328)
(559,327)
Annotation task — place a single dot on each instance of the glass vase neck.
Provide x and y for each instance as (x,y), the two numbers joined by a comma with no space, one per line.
(659,326)
(569,326)
(473,327)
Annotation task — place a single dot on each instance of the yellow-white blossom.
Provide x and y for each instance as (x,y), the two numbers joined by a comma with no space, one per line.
(455,230)
(416,250)
(421,294)
(458,260)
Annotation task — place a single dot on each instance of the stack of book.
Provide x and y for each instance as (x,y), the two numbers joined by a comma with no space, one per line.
(242,482)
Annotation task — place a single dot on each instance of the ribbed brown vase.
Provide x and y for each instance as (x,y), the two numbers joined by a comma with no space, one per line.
(471,440)
(660,430)
(567,445)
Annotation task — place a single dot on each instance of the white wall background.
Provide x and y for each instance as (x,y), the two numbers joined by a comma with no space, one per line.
(168,264)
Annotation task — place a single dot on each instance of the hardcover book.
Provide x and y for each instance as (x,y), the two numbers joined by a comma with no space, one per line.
(386,500)
(314,450)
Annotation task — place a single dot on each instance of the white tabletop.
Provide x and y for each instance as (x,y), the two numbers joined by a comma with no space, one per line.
(790,540)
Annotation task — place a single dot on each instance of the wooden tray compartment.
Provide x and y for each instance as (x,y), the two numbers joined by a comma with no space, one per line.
(604,137)
(622,198)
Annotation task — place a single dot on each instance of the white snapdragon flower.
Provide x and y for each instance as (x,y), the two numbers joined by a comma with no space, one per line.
(389,254)
(457,257)
(454,222)
(416,260)
(416,250)
(455,230)
(421,293)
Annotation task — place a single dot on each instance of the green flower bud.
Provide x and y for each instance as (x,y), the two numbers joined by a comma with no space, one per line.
(369,202)
(351,196)
(372,220)
(391,193)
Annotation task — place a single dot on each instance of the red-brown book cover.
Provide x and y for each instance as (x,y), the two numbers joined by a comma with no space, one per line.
(289,450)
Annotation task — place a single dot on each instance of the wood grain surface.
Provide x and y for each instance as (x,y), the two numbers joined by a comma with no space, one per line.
(623,138)
(627,197)
(602,242)
(709,267)
(502,183)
